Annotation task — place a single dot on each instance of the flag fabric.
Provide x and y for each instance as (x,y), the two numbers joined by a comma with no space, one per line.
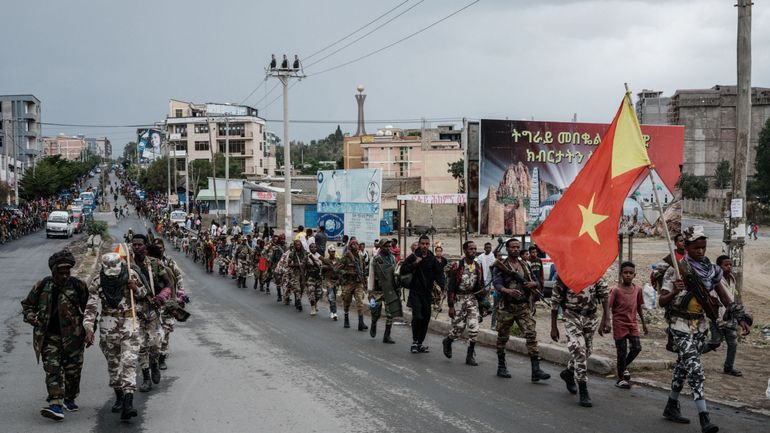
(121,250)
(581,231)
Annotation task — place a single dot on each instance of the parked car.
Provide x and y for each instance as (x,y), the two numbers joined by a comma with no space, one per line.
(79,220)
(59,223)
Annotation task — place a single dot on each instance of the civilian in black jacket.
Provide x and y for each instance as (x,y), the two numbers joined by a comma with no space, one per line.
(425,270)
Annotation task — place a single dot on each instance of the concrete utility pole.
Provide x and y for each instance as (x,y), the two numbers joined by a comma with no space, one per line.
(187,181)
(227,170)
(284,75)
(16,159)
(6,143)
(168,170)
(743,126)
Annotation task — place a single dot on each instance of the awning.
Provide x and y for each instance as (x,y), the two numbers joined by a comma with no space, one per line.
(208,195)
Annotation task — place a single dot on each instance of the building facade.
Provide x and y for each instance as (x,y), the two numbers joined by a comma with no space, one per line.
(99,146)
(20,142)
(652,107)
(709,119)
(192,129)
(69,147)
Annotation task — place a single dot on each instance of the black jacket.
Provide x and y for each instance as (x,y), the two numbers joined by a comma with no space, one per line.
(424,274)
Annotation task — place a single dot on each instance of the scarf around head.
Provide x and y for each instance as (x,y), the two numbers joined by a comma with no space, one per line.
(112,287)
(708,273)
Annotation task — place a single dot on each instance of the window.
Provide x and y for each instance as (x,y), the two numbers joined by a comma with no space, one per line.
(181,146)
(201,145)
(178,112)
(202,128)
(180,164)
(235,129)
(181,130)
(236,146)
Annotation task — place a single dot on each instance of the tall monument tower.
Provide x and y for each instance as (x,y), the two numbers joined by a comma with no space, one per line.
(360,98)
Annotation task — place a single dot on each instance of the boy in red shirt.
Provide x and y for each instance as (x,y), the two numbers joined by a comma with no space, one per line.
(626,302)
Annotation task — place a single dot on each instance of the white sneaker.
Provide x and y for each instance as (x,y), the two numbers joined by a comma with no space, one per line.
(313,310)
(333,316)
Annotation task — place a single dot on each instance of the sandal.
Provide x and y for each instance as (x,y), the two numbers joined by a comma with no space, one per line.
(622,383)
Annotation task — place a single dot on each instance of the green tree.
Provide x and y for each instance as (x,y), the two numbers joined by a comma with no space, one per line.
(761,184)
(5,190)
(457,170)
(129,152)
(693,186)
(723,176)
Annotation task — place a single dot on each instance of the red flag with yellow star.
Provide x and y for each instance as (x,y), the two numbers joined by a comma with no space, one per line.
(581,231)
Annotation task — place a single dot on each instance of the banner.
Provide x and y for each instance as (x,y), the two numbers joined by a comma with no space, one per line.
(349,191)
(333,223)
(149,143)
(526,165)
(365,227)
(434,198)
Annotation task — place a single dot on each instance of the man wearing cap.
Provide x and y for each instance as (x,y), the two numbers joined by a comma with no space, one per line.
(54,307)
(118,331)
(330,279)
(687,300)
(351,273)
(242,255)
(167,320)
(274,254)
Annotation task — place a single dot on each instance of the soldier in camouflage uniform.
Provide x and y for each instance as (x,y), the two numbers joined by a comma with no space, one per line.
(259,264)
(351,274)
(382,280)
(242,255)
(294,276)
(274,255)
(514,281)
(54,307)
(148,309)
(118,333)
(580,323)
(313,279)
(466,284)
(687,322)
(167,321)
(328,271)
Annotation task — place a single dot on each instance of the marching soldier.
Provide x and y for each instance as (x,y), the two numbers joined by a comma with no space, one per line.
(314,281)
(259,264)
(167,319)
(274,256)
(330,279)
(242,261)
(580,323)
(294,275)
(54,307)
(514,281)
(466,285)
(118,330)
(382,289)
(351,274)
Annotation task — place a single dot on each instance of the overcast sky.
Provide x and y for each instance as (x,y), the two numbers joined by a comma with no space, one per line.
(119,62)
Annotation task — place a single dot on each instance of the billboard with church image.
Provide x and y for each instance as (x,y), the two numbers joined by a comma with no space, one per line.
(524,166)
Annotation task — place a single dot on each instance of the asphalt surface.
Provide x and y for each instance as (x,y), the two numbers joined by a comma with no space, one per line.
(245,363)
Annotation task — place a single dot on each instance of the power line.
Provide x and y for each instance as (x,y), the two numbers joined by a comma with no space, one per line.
(254,91)
(398,41)
(353,32)
(307,121)
(365,34)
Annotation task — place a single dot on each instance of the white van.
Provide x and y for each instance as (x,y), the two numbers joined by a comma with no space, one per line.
(178,217)
(59,223)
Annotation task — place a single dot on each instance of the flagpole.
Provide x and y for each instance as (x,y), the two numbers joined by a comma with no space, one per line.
(130,292)
(674,264)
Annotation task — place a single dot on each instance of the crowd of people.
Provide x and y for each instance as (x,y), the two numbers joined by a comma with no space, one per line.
(696,294)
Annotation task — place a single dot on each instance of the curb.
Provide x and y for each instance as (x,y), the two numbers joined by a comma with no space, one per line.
(549,352)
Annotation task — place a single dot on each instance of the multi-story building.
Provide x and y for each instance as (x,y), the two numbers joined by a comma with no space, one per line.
(19,134)
(652,107)
(192,128)
(69,147)
(400,155)
(709,119)
(99,146)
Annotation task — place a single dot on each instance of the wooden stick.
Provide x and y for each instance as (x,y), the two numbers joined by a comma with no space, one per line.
(131,292)
(674,263)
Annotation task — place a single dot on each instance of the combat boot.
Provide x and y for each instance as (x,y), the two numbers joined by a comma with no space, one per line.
(118,406)
(162,362)
(502,370)
(313,310)
(128,407)
(298,304)
(568,376)
(386,337)
(705,423)
(537,373)
(146,381)
(585,399)
(470,358)
(278,289)
(347,321)
(446,344)
(673,413)
(361,325)
(373,329)
(154,372)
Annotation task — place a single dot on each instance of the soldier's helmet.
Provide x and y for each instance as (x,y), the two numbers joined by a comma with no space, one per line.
(111,264)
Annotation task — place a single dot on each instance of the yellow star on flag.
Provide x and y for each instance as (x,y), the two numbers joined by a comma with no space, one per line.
(590,220)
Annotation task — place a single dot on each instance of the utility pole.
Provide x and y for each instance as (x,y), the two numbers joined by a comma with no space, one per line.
(6,143)
(213,162)
(16,159)
(227,171)
(168,170)
(187,181)
(743,127)
(284,75)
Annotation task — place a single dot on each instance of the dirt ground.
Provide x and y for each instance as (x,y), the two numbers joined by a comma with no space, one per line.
(753,350)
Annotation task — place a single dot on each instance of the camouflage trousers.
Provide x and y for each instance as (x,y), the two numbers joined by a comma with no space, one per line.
(379,301)
(150,335)
(260,277)
(167,323)
(580,331)
(521,315)
(466,315)
(292,285)
(314,291)
(62,368)
(242,269)
(119,341)
(350,291)
(688,365)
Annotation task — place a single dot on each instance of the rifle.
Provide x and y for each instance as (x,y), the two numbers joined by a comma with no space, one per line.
(695,286)
(520,282)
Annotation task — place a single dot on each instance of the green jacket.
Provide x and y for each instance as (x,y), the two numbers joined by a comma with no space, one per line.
(73,297)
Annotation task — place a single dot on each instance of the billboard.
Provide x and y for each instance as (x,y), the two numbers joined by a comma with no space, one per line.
(349,201)
(524,166)
(149,143)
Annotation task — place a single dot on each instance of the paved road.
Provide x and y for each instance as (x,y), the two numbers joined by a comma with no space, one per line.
(246,363)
